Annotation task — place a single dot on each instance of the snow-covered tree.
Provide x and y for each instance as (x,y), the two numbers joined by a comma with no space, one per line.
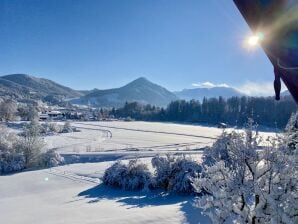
(31,144)
(54,127)
(220,150)
(163,170)
(132,176)
(227,147)
(8,109)
(50,159)
(25,151)
(67,127)
(32,129)
(11,160)
(172,173)
(50,128)
(249,184)
(291,131)
(175,174)
(27,112)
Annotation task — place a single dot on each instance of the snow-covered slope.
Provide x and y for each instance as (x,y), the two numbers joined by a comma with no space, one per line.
(21,85)
(200,93)
(140,90)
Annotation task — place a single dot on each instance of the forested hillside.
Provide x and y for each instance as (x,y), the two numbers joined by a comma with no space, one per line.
(233,111)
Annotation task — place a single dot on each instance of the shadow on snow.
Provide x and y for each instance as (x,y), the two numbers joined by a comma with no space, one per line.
(141,199)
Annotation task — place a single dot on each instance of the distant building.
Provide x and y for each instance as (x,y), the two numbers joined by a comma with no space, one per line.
(51,115)
(43,117)
(74,115)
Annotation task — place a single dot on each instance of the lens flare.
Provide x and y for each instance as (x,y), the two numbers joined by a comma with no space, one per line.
(254,40)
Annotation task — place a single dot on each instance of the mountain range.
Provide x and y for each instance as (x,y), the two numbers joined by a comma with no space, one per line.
(140,90)
(22,86)
(200,93)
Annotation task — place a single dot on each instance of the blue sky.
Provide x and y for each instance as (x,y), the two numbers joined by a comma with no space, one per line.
(107,43)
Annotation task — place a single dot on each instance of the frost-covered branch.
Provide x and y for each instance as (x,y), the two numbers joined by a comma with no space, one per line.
(248,185)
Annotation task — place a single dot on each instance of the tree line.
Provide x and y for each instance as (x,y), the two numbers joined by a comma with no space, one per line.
(234,111)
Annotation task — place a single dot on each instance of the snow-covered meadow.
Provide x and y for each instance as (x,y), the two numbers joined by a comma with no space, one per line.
(130,136)
(135,136)
(74,193)
(71,194)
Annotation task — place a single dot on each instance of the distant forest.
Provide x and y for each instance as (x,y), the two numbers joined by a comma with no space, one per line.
(234,111)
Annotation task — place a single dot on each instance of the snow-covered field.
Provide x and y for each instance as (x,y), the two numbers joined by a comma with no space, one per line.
(73,193)
(129,136)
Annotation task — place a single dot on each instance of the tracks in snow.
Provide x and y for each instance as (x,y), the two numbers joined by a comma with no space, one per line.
(141,130)
(73,177)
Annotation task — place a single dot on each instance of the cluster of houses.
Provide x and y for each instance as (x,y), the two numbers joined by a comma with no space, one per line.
(86,114)
(51,115)
(60,115)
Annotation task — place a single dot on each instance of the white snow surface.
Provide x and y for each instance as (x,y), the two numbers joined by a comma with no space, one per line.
(74,193)
(95,137)
(128,136)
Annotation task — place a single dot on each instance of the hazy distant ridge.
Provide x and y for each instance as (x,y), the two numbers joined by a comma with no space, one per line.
(200,93)
(22,85)
(140,90)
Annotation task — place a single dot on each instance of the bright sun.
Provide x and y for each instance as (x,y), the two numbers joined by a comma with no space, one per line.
(253,40)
